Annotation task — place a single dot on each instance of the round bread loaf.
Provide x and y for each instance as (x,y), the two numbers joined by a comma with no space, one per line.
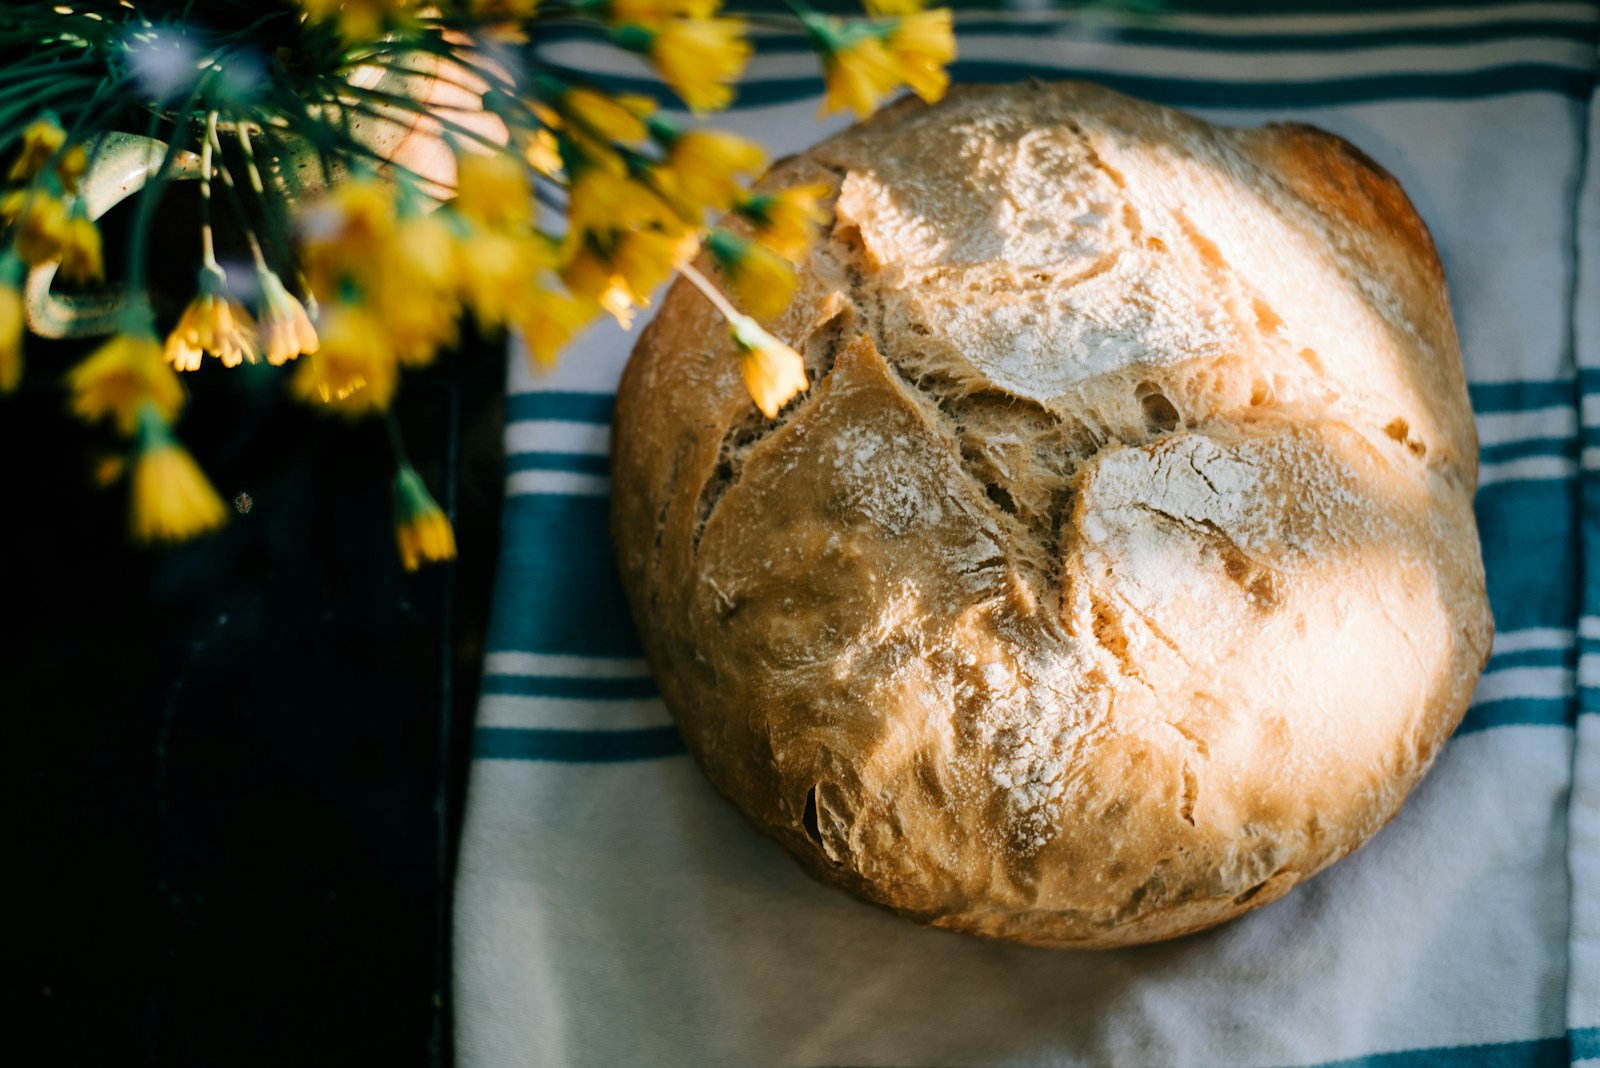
(1118,571)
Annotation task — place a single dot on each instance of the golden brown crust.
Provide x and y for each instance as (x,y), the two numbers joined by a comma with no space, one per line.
(1119,570)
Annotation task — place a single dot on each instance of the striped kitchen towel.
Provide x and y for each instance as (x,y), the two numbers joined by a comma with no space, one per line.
(612,911)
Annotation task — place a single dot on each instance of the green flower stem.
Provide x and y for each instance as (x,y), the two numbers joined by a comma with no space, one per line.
(711,293)
(207,242)
(237,203)
(396,442)
(150,195)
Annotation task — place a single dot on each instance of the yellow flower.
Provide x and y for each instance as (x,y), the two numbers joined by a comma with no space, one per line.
(81,259)
(761,279)
(547,320)
(653,12)
(41,222)
(354,369)
(359,20)
(170,499)
(495,269)
(882,8)
(11,324)
(923,44)
(787,220)
(699,57)
(346,236)
(71,166)
(645,258)
(493,189)
(41,140)
(616,118)
(417,294)
(600,201)
(216,324)
(859,75)
(773,372)
(422,530)
(122,376)
(286,330)
(543,152)
(594,280)
(702,167)
(213,322)
(504,9)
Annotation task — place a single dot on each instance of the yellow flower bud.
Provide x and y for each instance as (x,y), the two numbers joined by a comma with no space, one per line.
(124,375)
(422,530)
(40,221)
(883,8)
(11,328)
(761,279)
(616,118)
(286,330)
(354,369)
(702,168)
(787,220)
(773,372)
(81,258)
(701,58)
(859,76)
(923,44)
(170,499)
(41,139)
(654,12)
(546,320)
(493,189)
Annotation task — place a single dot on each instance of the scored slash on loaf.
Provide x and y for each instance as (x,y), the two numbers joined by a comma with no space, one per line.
(1118,571)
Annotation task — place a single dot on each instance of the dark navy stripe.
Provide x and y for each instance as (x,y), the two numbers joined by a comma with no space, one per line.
(587,689)
(558,461)
(1583,1042)
(1332,92)
(1519,450)
(576,747)
(1519,712)
(1152,34)
(556,404)
(1520,396)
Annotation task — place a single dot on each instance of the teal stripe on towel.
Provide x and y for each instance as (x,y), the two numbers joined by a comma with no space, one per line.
(585,463)
(1519,712)
(1584,1043)
(1523,394)
(553,404)
(1530,552)
(558,590)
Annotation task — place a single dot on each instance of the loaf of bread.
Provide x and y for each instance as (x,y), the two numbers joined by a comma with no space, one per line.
(1118,571)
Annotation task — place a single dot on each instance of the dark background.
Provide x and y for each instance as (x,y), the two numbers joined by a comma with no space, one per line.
(239,764)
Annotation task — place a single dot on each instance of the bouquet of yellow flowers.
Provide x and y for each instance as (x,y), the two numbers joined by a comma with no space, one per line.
(392,165)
